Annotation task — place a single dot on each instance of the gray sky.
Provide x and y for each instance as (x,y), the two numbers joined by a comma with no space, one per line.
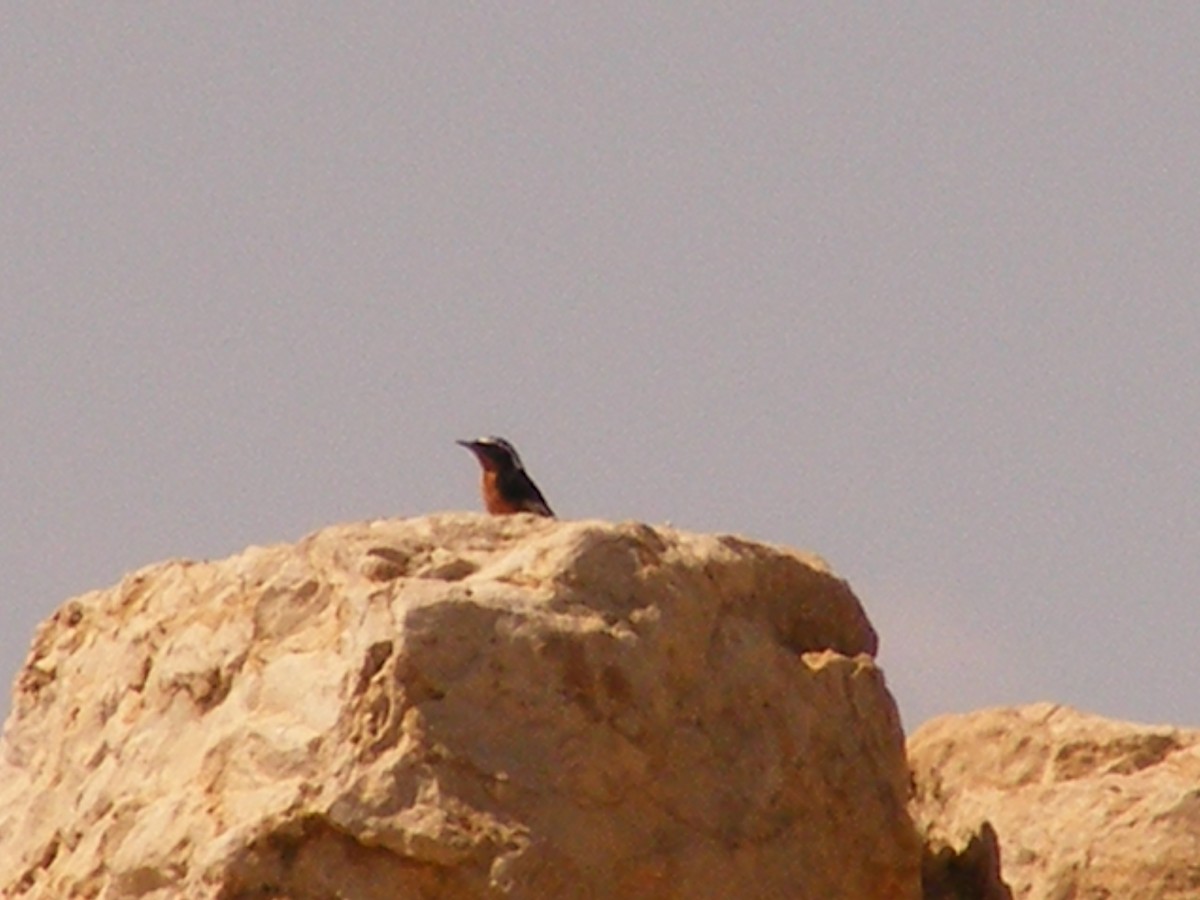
(914,288)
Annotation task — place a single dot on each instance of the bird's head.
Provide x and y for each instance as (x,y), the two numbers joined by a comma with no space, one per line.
(494,453)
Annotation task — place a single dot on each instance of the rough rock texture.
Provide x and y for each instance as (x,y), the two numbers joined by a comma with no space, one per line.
(1084,807)
(461,706)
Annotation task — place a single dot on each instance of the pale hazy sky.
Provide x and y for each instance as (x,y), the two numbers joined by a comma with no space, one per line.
(912,286)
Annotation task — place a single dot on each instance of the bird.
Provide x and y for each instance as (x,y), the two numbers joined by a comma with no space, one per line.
(506,486)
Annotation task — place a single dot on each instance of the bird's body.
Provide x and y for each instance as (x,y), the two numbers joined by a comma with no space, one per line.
(504,483)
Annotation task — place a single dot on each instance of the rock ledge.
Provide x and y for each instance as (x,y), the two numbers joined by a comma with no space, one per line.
(1081,806)
(460,706)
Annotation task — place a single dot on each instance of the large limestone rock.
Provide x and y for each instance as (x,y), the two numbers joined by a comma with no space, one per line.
(456,707)
(1082,806)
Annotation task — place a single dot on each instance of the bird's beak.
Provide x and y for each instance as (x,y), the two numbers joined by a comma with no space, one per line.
(470,445)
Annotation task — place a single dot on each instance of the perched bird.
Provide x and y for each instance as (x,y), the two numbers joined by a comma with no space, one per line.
(506,486)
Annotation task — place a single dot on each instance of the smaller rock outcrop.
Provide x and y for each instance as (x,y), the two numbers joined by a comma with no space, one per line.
(1081,806)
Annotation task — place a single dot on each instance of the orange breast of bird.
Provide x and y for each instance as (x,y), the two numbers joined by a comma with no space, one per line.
(493,498)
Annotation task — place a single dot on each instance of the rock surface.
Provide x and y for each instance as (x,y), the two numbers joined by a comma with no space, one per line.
(1082,806)
(460,706)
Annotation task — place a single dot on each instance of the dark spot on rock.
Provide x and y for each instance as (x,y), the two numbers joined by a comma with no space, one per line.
(377,654)
(616,685)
